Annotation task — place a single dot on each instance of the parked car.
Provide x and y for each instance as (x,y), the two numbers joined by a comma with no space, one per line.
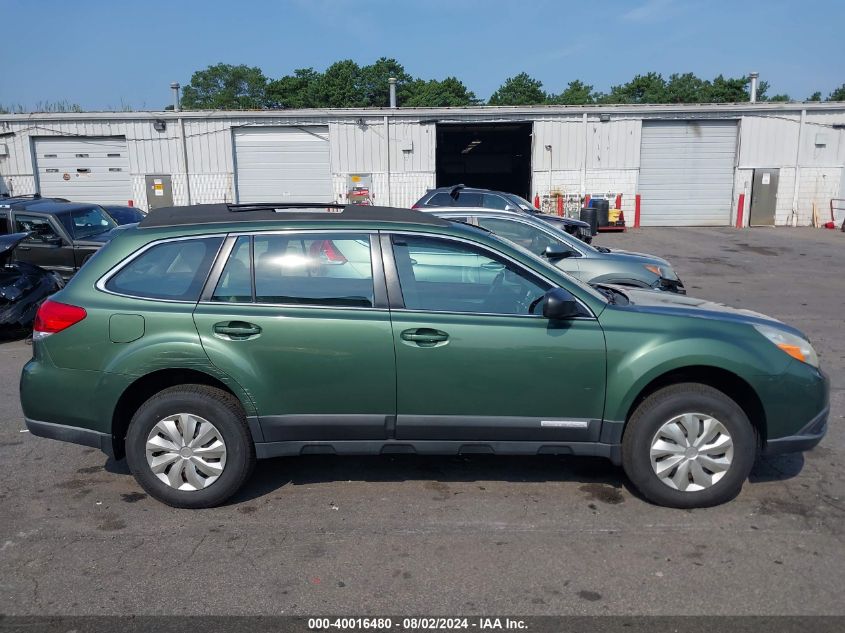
(23,287)
(124,215)
(62,235)
(588,263)
(461,196)
(212,335)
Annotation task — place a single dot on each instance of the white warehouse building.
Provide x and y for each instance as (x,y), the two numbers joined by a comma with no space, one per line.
(687,164)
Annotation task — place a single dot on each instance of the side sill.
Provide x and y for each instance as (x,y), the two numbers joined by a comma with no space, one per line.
(265,450)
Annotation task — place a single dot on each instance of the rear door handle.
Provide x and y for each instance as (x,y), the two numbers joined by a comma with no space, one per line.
(237,330)
(424,337)
(24,248)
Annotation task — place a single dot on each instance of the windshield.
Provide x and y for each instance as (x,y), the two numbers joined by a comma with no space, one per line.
(522,202)
(87,222)
(561,233)
(544,264)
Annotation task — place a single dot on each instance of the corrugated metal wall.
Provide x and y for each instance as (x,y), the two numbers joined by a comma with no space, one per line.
(596,156)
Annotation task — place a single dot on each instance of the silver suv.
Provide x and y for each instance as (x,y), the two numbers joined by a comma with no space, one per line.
(588,263)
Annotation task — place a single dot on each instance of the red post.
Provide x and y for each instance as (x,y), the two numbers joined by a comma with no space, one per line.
(131,203)
(618,201)
(637,211)
(536,200)
(740,205)
(560,206)
(587,201)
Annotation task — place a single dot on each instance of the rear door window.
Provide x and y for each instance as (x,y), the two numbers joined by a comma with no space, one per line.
(469,199)
(174,270)
(325,269)
(492,201)
(4,222)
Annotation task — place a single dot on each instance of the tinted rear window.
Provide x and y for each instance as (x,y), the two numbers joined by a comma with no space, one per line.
(170,270)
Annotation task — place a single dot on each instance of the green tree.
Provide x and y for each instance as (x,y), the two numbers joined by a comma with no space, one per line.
(727,90)
(519,90)
(838,94)
(226,87)
(449,93)
(686,88)
(649,88)
(816,96)
(293,91)
(576,93)
(374,82)
(341,86)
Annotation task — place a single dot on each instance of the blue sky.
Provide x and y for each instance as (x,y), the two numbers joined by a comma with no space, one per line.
(106,54)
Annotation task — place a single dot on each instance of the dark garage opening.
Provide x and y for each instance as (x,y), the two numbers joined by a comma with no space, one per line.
(488,155)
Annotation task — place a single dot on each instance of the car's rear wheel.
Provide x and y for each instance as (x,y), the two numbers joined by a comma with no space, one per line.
(688,446)
(189,446)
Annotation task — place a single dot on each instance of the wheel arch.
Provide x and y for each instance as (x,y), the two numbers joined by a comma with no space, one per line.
(148,385)
(729,383)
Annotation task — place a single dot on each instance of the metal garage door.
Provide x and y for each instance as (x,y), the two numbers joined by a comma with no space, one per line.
(687,172)
(84,169)
(278,164)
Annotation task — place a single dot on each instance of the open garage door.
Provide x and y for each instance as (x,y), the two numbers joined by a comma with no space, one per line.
(687,172)
(276,164)
(84,169)
(488,155)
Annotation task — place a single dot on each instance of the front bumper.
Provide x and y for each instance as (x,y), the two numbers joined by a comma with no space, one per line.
(808,437)
(72,434)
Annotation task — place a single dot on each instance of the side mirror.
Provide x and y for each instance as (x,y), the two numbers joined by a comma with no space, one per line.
(559,304)
(557,252)
(509,208)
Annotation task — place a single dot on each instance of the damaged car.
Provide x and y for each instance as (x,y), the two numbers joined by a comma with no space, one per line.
(23,286)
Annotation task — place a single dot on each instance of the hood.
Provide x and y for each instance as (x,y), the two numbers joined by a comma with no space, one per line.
(682,305)
(641,259)
(8,243)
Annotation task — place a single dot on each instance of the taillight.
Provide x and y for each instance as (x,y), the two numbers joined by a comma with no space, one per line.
(54,317)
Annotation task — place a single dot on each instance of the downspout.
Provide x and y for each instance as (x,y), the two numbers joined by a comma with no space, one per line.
(584,166)
(185,158)
(796,179)
(387,156)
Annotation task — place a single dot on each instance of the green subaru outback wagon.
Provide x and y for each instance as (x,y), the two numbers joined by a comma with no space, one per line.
(213,335)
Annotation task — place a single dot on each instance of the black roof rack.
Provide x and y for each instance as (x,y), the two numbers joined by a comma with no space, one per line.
(283,211)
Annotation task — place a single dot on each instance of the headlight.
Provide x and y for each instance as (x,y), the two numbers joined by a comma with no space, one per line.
(657,270)
(793,345)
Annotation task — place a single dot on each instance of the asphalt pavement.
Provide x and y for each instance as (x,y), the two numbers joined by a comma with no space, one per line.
(466,535)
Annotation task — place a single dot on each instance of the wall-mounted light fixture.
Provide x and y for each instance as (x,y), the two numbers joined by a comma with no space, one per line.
(159,125)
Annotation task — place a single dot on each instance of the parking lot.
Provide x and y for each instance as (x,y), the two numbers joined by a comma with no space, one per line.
(466,535)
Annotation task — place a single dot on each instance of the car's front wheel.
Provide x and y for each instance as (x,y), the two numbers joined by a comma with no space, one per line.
(688,446)
(189,446)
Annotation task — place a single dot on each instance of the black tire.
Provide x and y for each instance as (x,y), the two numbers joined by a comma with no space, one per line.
(662,406)
(218,407)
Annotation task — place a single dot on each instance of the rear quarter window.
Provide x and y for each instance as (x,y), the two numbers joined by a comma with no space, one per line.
(174,271)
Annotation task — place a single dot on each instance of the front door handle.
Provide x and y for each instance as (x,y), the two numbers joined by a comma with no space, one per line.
(424,337)
(24,248)
(237,330)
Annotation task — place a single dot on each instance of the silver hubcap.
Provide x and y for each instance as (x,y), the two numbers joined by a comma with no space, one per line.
(691,452)
(186,452)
